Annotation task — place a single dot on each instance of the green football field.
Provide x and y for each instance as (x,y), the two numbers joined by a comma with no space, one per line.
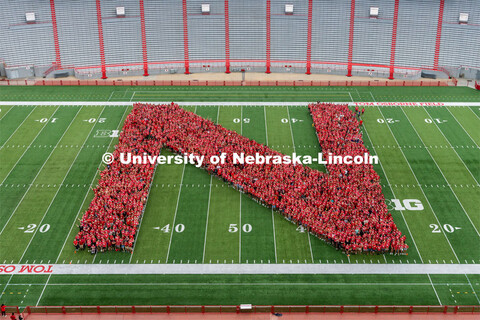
(50,157)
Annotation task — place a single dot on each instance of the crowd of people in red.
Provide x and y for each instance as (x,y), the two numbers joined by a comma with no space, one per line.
(345,208)
(355,215)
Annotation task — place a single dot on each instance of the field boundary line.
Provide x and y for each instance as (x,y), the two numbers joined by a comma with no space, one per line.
(86,194)
(240,211)
(265,268)
(239,103)
(28,115)
(244,284)
(39,170)
(63,180)
(439,169)
(418,182)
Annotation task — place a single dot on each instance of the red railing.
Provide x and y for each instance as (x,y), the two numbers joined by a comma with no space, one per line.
(58,60)
(100,39)
(144,38)
(185,37)
(394,40)
(350,37)
(438,39)
(248,309)
(309,36)
(268,36)
(227,39)
(297,83)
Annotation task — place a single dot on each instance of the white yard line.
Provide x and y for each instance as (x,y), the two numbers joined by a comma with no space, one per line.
(40,170)
(393,193)
(28,115)
(176,208)
(434,290)
(476,115)
(273,217)
(473,289)
(60,187)
(240,228)
(295,150)
(86,194)
(208,206)
(26,149)
(438,167)
(418,183)
(259,268)
(462,125)
(141,220)
(7,113)
(438,127)
(43,290)
(6,285)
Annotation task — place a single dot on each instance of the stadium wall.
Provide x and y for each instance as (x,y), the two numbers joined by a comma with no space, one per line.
(176,37)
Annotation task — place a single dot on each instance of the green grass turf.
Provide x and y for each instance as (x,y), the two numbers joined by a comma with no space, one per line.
(47,169)
(139,93)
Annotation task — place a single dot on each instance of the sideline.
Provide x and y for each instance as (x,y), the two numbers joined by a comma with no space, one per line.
(42,269)
(260,104)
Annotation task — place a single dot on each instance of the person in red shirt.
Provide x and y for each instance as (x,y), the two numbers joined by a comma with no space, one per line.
(12,317)
(3,308)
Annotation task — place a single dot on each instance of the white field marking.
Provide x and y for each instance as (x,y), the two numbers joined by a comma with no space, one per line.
(51,152)
(258,268)
(371,94)
(229,103)
(176,208)
(28,115)
(111,95)
(273,217)
(316,284)
(26,149)
(294,150)
(393,193)
(240,225)
(44,287)
(476,115)
(418,183)
(462,126)
(5,288)
(86,194)
(438,167)
(140,225)
(473,290)
(133,95)
(436,124)
(58,189)
(208,206)
(7,113)
(351,96)
(434,290)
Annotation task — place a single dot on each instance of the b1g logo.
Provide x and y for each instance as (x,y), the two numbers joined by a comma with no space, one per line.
(406,204)
(106,134)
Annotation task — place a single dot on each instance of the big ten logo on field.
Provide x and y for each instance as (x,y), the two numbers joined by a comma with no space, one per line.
(404,205)
(106,134)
